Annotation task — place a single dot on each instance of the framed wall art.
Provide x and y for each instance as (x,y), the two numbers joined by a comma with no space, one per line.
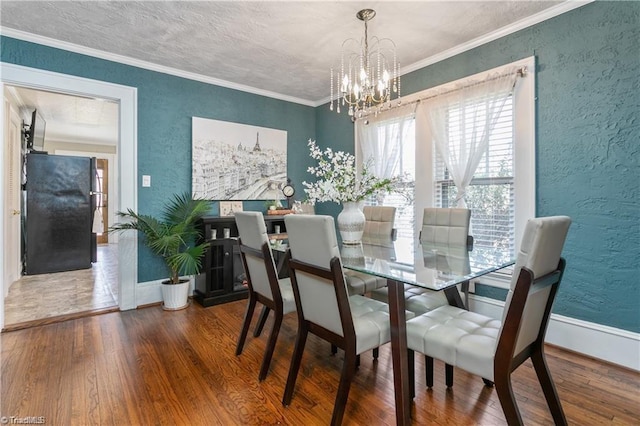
(232,161)
(228,208)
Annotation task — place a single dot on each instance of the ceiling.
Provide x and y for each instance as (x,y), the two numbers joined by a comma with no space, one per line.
(283,49)
(72,118)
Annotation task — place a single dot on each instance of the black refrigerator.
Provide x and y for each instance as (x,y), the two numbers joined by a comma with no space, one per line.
(59,205)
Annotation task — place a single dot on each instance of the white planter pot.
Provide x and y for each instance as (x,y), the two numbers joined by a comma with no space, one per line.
(175,296)
(351,223)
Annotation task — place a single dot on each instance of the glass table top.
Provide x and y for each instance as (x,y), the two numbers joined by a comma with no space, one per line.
(432,266)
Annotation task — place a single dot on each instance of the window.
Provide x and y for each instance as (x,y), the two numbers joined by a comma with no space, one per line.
(490,195)
(403,201)
(501,193)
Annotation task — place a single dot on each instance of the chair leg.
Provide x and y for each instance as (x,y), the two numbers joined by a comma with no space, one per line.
(348,370)
(271,345)
(548,387)
(251,305)
(428,370)
(507,398)
(301,340)
(261,320)
(488,383)
(448,375)
(412,372)
(357,361)
(334,349)
(376,353)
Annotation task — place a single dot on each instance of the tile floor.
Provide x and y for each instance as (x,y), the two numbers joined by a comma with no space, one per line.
(35,297)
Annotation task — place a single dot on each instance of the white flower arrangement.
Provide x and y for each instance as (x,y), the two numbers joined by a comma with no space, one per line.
(338,181)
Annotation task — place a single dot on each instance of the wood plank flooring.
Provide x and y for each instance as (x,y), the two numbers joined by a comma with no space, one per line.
(151,366)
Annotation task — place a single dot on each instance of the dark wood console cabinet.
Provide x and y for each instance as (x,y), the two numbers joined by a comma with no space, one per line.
(222,276)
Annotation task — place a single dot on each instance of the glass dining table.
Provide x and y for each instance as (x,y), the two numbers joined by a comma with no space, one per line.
(436,267)
(431,266)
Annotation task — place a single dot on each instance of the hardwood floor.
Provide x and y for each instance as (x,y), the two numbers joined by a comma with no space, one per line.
(151,366)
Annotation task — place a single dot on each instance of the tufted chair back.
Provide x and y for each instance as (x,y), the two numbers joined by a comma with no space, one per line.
(379,223)
(445,226)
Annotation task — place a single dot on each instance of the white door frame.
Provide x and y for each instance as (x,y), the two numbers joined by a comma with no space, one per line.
(127,97)
(12,141)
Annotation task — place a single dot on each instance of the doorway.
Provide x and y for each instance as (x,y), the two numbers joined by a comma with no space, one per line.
(126,97)
(73,130)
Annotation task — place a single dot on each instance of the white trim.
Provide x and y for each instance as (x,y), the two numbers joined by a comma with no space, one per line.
(499,33)
(148,292)
(609,344)
(71,47)
(127,153)
(151,291)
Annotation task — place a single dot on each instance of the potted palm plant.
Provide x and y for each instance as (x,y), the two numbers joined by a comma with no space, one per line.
(173,237)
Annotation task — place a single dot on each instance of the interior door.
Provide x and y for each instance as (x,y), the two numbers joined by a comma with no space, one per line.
(12,139)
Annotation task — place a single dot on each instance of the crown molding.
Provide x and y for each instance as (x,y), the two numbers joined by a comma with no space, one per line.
(529,21)
(71,47)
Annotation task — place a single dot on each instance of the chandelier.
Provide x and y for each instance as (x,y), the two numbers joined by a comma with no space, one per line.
(369,73)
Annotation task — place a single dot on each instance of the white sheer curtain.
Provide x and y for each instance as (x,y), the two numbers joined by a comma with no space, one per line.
(380,145)
(460,121)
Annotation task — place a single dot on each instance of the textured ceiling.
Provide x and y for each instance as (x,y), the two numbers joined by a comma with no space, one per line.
(280,47)
(72,118)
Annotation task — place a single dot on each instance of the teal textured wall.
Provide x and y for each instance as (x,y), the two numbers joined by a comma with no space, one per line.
(165,106)
(588,143)
(588,138)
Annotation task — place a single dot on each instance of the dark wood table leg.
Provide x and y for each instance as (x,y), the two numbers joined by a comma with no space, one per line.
(453,295)
(399,352)
(465,289)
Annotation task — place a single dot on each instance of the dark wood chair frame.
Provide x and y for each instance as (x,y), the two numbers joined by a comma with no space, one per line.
(506,361)
(346,342)
(276,305)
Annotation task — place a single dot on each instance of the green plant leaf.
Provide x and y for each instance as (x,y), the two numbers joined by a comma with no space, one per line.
(175,237)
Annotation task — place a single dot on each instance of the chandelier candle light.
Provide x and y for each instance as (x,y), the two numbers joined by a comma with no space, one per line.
(368,75)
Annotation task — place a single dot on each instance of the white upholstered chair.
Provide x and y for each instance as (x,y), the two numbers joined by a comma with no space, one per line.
(445,226)
(264,286)
(491,348)
(353,323)
(378,230)
(379,222)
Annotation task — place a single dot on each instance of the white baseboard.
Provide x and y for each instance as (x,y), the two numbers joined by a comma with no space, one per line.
(599,341)
(151,292)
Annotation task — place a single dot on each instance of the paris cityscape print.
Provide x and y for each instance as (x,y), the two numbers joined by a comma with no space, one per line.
(232,161)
